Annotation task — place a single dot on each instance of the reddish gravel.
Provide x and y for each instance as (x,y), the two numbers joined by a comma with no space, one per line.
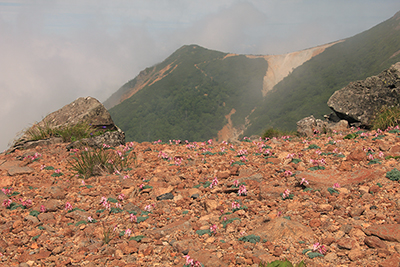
(357,224)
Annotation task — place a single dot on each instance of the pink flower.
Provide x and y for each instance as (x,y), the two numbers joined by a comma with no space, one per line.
(286,194)
(236,183)
(57,171)
(121,196)
(315,246)
(336,185)
(235,205)
(304,181)
(213,229)
(290,156)
(189,261)
(68,206)
(322,250)
(90,219)
(370,157)
(288,173)
(27,203)
(7,203)
(128,232)
(42,209)
(133,217)
(147,208)
(126,176)
(42,167)
(214,182)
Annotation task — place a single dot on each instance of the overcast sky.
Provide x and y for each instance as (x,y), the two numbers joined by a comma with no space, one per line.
(52,52)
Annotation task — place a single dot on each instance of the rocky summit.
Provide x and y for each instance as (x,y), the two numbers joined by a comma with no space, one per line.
(327,200)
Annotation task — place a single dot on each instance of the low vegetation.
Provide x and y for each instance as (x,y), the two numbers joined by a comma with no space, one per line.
(68,133)
(97,161)
(387,117)
(271,132)
(279,263)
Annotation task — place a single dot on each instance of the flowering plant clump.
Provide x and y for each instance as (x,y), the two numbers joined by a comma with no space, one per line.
(286,195)
(163,155)
(7,203)
(42,209)
(34,157)
(213,229)
(318,164)
(68,206)
(235,205)
(317,250)
(288,173)
(191,263)
(214,182)
(242,190)
(57,173)
(12,203)
(7,191)
(304,182)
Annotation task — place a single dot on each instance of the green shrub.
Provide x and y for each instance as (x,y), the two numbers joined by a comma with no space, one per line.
(279,263)
(386,117)
(393,175)
(250,238)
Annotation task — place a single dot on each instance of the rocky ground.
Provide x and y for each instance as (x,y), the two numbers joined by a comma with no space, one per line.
(160,210)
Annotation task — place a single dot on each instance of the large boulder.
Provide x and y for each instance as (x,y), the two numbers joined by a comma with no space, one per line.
(84,109)
(359,101)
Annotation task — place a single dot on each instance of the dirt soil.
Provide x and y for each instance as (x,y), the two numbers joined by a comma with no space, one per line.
(221,204)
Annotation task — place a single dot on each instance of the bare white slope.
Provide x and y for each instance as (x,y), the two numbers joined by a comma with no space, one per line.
(280,66)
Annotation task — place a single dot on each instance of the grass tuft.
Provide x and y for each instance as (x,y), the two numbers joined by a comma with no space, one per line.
(386,117)
(68,133)
(94,161)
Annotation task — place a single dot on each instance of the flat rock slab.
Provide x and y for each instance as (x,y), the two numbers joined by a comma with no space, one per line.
(16,170)
(5,165)
(183,225)
(13,168)
(280,228)
(388,232)
(322,179)
(207,258)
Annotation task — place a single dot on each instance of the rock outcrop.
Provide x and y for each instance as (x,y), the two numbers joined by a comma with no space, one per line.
(358,102)
(83,109)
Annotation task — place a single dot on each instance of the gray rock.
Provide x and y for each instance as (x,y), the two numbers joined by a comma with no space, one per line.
(309,126)
(359,101)
(85,109)
(165,196)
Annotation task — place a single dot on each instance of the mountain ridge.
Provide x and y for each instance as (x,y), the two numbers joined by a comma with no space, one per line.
(233,94)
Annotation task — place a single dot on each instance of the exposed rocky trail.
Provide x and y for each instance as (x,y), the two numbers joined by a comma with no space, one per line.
(357,224)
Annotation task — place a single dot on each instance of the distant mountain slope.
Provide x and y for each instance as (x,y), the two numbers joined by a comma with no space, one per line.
(307,89)
(188,95)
